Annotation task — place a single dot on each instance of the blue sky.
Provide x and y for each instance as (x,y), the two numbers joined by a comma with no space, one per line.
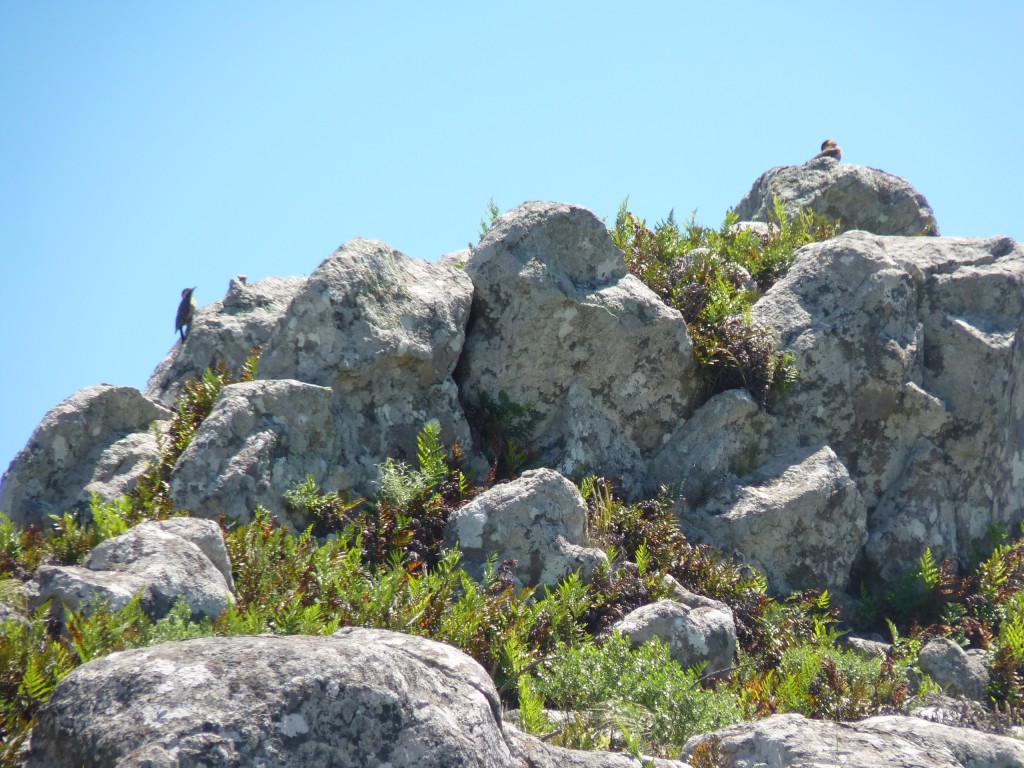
(146,147)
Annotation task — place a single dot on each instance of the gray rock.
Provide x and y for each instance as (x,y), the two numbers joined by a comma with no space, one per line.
(260,440)
(225,331)
(604,367)
(956,671)
(727,437)
(876,742)
(905,348)
(81,444)
(861,198)
(799,519)
(694,635)
(540,520)
(152,559)
(361,698)
(384,332)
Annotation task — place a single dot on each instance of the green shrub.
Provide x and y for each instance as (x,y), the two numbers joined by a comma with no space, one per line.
(614,686)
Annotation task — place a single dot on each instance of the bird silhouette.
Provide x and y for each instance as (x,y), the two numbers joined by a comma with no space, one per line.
(183,320)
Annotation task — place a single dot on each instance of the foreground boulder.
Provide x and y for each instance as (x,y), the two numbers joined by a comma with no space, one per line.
(361,698)
(538,520)
(182,558)
(861,198)
(603,367)
(224,332)
(877,742)
(99,439)
(906,352)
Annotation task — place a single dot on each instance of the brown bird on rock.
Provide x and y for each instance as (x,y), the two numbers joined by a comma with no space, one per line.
(183,321)
(829,149)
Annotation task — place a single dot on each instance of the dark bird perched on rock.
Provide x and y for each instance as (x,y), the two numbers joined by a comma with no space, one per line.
(183,320)
(829,149)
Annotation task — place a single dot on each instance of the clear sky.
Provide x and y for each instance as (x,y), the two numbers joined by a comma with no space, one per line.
(147,147)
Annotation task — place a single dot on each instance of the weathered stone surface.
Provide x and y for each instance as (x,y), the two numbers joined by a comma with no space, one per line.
(152,558)
(727,437)
(861,198)
(877,742)
(694,635)
(799,519)
(260,439)
(905,349)
(225,331)
(81,445)
(957,672)
(383,331)
(540,520)
(361,698)
(604,367)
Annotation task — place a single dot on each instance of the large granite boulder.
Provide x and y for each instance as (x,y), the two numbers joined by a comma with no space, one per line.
(361,698)
(956,671)
(224,332)
(906,350)
(605,369)
(878,742)
(538,520)
(861,198)
(384,332)
(799,519)
(99,439)
(164,561)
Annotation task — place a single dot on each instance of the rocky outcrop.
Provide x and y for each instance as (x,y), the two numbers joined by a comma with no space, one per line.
(876,742)
(905,350)
(164,561)
(355,367)
(702,634)
(538,520)
(605,369)
(99,439)
(384,332)
(799,519)
(359,698)
(861,198)
(225,332)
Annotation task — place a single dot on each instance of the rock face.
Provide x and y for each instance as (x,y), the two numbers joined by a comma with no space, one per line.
(905,348)
(701,634)
(165,561)
(98,439)
(877,742)
(604,367)
(384,332)
(861,198)
(260,439)
(799,519)
(225,331)
(360,698)
(539,520)
(355,367)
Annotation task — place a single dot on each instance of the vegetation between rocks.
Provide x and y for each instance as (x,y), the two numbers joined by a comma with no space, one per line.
(714,276)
